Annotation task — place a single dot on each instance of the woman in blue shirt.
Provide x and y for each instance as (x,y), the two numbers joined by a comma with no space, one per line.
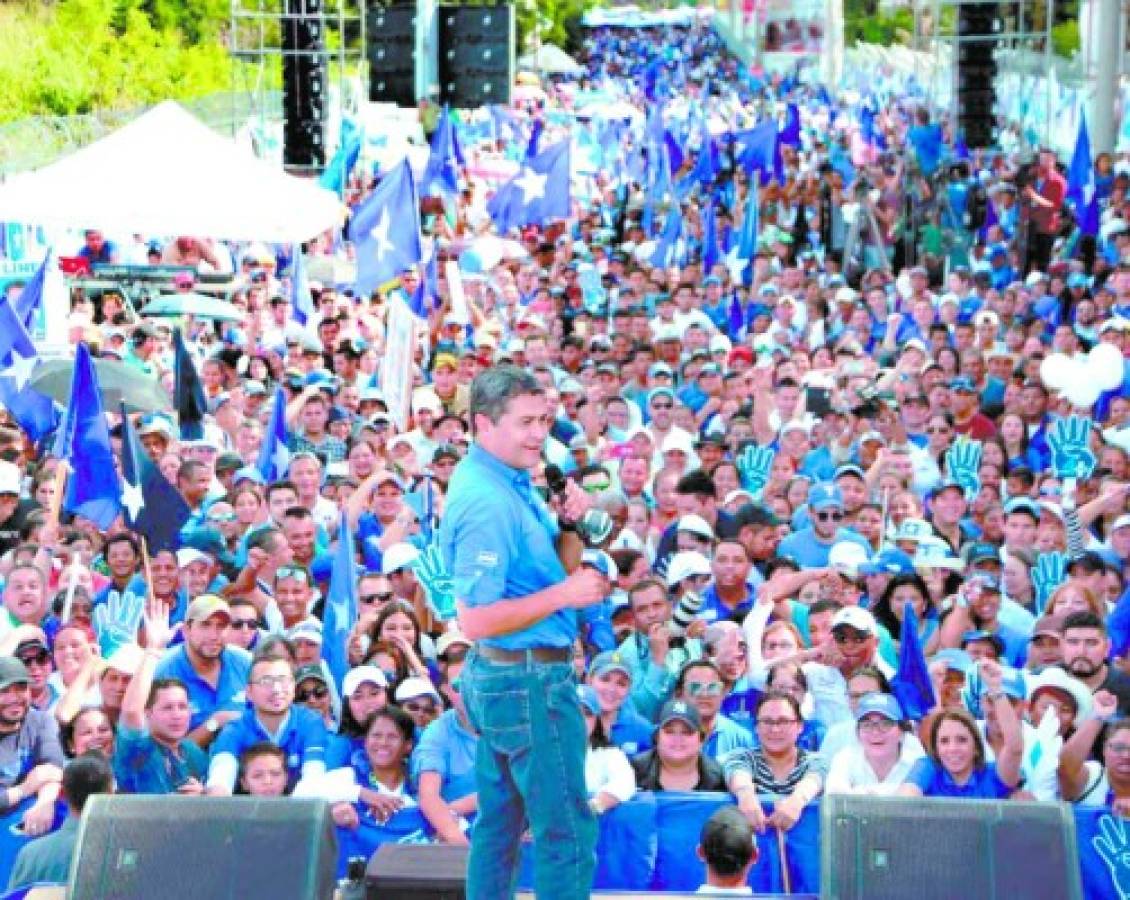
(956,766)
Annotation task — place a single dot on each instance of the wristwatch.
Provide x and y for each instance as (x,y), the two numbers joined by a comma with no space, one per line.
(212,725)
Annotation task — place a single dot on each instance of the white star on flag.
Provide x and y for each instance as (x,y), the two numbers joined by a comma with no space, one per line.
(380,234)
(1089,189)
(735,263)
(133,499)
(20,369)
(532,185)
(281,457)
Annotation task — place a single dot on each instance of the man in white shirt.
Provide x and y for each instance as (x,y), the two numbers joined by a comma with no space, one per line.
(729,849)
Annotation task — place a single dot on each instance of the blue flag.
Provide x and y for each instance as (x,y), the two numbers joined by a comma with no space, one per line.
(790,131)
(301,301)
(426,296)
(341,603)
(756,149)
(672,229)
(83,440)
(274,454)
(188,391)
(535,138)
(150,504)
(675,154)
(36,414)
(740,258)
(710,252)
(1081,183)
(31,297)
(386,230)
(911,684)
(536,195)
(441,176)
(706,164)
(336,175)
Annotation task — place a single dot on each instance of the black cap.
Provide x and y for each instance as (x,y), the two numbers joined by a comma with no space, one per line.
(757,516)
(1088,562)
(229,462)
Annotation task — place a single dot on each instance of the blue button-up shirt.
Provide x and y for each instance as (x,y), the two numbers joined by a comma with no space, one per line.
(230,692)
(447,748)
(143,766)
(302,737)
(497,538)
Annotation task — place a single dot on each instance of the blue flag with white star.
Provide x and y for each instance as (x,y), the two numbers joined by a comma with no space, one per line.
(151,506)
(83,440)
(274,455)
(31,297)
(1081,183)
(740,258)
(301,300)
(36,414)
(385,229)
(710,252)
(336,175)
(756,150)
(188,391)
(442,172)
(538,194)
(341,603)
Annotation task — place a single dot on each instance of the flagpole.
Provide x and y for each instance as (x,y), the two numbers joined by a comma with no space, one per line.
(72,583)
(782,853)
(54,511)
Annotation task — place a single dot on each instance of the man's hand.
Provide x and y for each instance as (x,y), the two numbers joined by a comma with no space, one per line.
(191,788)
(786,813)
(37,820)
(575,503)
(659,642)
(1104,705)
(585,587)
(158,632)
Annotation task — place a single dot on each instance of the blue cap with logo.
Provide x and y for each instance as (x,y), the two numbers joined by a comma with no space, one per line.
(885,705)
(609,661)
(824,496)
(891,561)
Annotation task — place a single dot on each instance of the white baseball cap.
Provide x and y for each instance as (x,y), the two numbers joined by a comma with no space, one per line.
(686,564)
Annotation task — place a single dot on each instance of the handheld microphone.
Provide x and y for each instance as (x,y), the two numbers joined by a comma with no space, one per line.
(594,527)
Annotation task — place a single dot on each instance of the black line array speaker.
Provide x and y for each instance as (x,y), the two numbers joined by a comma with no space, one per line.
(978,25)
(476,55)
(304,84)
(174,848)
(390,35)
(935,849)
(417,872)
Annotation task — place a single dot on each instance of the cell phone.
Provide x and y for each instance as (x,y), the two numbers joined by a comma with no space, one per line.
(818,400)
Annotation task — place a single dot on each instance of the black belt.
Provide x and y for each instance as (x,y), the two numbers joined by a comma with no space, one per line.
(537,654)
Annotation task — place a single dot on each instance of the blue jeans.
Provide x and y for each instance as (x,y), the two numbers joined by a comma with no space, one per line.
(529,772)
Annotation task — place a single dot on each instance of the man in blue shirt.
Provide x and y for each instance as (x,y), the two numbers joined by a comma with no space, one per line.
(152,754)
(517,603)
(214,675)
(810,546)
(298,731)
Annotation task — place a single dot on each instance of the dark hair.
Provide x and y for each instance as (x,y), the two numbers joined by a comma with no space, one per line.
(872,672)
(702,663)
(644,584)
(599,739)
(883,611)
(122,537)
(1084,619)
(696,483)
(625,559)
(727,842)
(275,486)
(823,606)
(260,749)
(964,718)
(390,609)
(403,722)
(67,729)
(85,776)
(794,668)
(163,684)
(263,538)
(492,391)
(770,696)
(274,647)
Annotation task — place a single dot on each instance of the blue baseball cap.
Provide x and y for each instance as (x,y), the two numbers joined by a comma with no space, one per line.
(888,562)
(609,661)
(982,551)
(963,383)
(248,473)
(602,562)
(885,705)
(955,660)
(945,485)
(824,495)
(1023,504)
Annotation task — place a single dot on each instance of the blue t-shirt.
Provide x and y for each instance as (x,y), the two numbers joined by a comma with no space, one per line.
(143,766)
(302,737)
(230,692)
(714,610)
(631,732)
(935,781)
(497,539)
(809,553)
(447,748)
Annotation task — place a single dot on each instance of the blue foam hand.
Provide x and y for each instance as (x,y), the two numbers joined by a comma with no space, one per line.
(1049,573)
(116,621)
(1113,845)
(971,693)
(1069,442)
(754,463)
(963,460)
(438,585)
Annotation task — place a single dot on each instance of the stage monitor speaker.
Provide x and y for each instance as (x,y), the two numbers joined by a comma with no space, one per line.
(174,848)
(891,849)
(391,51)
(476,55)
(417,872)
(304,84)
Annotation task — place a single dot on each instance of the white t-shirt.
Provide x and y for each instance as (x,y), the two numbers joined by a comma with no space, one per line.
(851,773)
(607,771)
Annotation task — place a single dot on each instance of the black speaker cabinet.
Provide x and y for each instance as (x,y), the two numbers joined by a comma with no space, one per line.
(880,848)
(187,848)
(417,872)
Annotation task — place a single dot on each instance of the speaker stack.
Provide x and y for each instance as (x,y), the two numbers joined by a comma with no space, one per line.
(391,50)
(304,85)
(978,27)
(476,55)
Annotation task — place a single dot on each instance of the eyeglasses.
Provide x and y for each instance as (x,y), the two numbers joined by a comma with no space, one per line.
(841,637)
(427,708)
(878,726)
(273,681)
(41,658)
(317,692)
(296,572)
(713,689)
(829,516)
(370,599)
(663,406)
(222,517)
(937,431)
(244,624)
(776,723)
(1119,749)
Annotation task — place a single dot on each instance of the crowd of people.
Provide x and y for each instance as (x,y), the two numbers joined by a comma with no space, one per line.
(798,455)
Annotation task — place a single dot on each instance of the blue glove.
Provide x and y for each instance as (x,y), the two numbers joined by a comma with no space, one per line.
(433,575)
(1069,442)
(754,463)
(1049,573)
(963,460)
(971,693)
(116,621)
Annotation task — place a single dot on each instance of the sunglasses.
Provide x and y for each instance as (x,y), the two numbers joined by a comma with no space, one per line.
(370,599)
(427,708)
(222,517)
(243,624)
(713,689)
(42,658)
(829,516)
(296,572)
(597,488)
(318,692)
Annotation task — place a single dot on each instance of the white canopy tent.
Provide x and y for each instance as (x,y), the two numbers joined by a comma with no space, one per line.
(551,60)
(167,173)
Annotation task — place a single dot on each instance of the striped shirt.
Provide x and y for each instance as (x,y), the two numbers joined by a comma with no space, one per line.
(756,765)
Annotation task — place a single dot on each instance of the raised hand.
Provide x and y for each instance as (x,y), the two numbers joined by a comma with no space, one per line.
(433,575)
(1049,573)
(158,632)
(754,463)
(963,460)
(116,621)
(1069,442)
